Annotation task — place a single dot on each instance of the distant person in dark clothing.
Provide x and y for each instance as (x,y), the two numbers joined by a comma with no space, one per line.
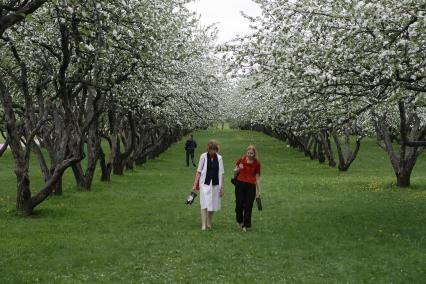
(190,146)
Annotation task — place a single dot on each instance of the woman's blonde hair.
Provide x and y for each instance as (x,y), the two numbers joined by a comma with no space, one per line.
(251,147)
(212,145)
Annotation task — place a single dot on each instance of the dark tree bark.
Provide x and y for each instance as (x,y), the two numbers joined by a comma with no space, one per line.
(91,112)
(106,167)
(326,147)
(311,147)
(321,156)
(346,158)
(315,147)
(14,13)
(15,131)
(83,178)
(404,161)
(118,158)
(56,130)
(4,147)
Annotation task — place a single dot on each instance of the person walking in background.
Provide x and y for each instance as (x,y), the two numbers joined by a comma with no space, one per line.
(190,146)
(247,186)
(209,177)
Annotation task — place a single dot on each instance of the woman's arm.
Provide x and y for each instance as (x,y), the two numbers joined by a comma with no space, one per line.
(222,177)
(258,187)
(238,167)
(196,181)
(198,173)
(222,191)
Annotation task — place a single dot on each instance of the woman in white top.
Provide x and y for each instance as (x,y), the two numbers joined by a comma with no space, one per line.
(209,177)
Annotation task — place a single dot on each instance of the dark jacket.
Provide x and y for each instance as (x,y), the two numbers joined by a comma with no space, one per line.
(190,145)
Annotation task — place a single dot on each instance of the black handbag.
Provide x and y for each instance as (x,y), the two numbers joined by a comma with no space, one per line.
(259,203)
(234,179)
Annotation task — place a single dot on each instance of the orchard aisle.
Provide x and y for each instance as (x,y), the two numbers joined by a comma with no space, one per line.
(318,225)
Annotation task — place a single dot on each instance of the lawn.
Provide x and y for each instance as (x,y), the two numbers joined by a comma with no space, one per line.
(317,226)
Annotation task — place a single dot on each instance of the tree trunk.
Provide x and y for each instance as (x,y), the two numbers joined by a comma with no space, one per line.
(4,147)
(315,147)
(117,165)
(84,180)
(403,178)
(105,167)
(403,162)
(140,160)
(310,147)
(57,187)
(118,158)
(130,163)
(345,159)
(23,198)
(321,156)
(328,151)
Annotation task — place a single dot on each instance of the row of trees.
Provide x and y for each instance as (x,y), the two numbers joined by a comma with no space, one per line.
(322,71)
(134,74)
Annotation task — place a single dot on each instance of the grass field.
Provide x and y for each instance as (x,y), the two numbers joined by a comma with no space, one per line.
(317,226)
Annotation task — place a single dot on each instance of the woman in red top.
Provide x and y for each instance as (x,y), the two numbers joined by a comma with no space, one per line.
(248,183)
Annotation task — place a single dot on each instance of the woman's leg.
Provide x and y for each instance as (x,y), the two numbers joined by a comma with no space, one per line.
(192,158)
(209,219)
(250,191)
(239,203)
(203,219)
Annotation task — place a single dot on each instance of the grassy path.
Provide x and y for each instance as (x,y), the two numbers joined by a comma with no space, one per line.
(318,225)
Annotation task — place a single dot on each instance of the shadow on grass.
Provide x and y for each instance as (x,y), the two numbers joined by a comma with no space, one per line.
(58,211)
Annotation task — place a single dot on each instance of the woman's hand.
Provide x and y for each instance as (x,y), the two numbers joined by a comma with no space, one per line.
(238,168)
(258,187)
(196,184)
(221,192)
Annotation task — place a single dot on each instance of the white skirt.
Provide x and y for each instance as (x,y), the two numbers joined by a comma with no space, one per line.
(210,197)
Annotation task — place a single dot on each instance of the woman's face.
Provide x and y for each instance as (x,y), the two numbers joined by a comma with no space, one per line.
(212,151)
(250,153)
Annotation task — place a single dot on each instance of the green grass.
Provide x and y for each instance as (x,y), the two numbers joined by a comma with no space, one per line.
(317,226)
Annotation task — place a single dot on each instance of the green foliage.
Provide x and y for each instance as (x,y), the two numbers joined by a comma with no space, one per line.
(318,226)
(29,18)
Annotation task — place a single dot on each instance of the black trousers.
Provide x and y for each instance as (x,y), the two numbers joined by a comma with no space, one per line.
(245,193)
(189,153)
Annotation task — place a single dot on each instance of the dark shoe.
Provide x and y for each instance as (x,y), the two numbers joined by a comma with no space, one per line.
(194,164)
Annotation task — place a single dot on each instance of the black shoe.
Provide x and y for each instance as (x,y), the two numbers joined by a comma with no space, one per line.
(194,164)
